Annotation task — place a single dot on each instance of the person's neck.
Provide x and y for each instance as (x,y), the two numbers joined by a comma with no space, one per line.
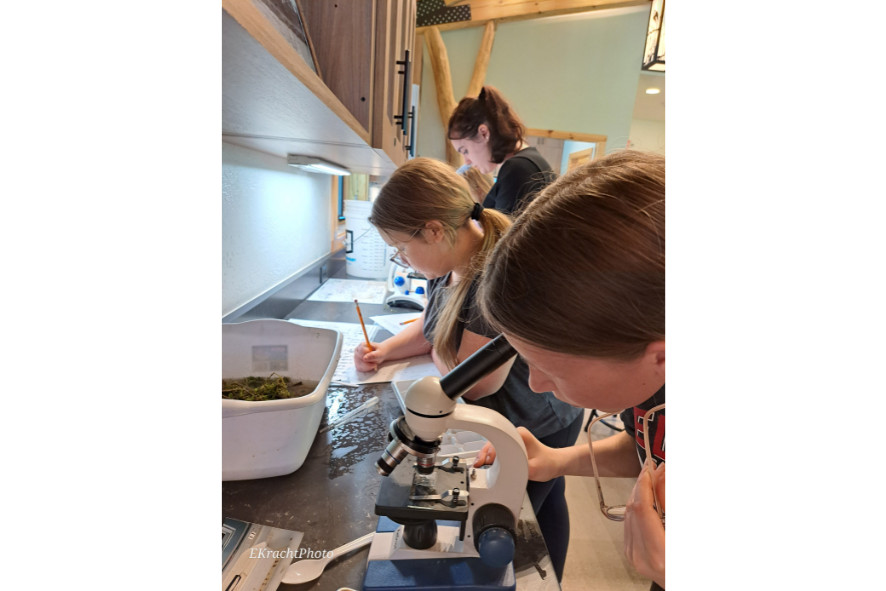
(468,242)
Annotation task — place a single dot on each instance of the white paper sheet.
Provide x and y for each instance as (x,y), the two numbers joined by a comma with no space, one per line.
(348,290)
(393,323)
(411,368)
(352,335)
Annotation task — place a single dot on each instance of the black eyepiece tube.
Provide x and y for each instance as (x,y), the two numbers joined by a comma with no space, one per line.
(485,360)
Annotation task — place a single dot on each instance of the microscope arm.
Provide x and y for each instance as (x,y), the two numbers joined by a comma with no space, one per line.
(506,478)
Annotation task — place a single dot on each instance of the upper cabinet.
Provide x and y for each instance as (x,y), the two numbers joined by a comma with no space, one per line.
(328,78)
(363,52)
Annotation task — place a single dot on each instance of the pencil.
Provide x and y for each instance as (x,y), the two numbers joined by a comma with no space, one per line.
(365,334)
(408,321)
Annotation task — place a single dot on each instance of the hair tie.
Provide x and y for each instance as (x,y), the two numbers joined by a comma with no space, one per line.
(475,213)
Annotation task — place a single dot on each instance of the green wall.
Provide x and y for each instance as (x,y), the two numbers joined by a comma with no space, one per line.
(570,74)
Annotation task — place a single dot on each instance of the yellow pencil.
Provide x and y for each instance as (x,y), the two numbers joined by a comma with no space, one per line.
(408,321)
(365,334)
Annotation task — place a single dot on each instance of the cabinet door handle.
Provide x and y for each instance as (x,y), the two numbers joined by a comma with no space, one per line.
(410,147)
(406,72)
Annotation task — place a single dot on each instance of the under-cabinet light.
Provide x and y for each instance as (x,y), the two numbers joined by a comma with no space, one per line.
(314,164)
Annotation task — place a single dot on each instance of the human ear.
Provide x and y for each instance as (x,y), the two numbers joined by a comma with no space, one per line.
(655,353)
(434,231)
(483,132)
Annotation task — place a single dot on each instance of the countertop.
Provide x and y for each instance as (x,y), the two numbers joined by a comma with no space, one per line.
(331,497)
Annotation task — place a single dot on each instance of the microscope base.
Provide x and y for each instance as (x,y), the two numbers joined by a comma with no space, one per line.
(431,571)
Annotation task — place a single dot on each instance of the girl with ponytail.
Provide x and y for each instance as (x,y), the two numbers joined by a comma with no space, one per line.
(426,212)
(487,132)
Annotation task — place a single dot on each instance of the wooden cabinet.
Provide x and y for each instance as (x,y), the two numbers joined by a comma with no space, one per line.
(394,122)
(343,104)
(363,50)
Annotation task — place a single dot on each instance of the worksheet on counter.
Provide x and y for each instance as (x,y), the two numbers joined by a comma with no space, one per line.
(411,368)
(352,335)
(348,290)
(394,323)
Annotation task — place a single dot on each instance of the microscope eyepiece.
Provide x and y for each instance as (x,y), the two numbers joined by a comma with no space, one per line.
(482,362)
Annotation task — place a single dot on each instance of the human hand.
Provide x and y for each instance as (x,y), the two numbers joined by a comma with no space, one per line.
(366,360)
(486,455)
(644,531)
(542,459)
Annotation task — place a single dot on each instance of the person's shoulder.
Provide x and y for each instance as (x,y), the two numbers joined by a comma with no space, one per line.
(438,281)
(519,163)
(529,159)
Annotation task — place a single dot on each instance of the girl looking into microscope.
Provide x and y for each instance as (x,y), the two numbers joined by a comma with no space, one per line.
(598,340)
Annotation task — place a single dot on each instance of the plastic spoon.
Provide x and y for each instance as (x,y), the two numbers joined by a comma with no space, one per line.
(309,569)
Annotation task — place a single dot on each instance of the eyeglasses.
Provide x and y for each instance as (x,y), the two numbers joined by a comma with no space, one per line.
(398,257)
(617,512)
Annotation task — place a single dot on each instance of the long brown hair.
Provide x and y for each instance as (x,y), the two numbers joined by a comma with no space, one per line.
(423,190)
(506,131)
(582,270)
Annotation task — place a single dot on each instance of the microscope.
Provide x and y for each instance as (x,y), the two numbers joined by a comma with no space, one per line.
(447,525)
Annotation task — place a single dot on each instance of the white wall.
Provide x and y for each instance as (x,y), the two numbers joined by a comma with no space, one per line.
(648,135)
(275,223)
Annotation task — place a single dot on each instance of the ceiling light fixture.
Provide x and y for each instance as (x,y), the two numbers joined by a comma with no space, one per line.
(315,164)
(654,54)
(653,90)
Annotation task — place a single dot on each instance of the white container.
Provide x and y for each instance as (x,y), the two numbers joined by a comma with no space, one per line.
(272,437)
(366,254)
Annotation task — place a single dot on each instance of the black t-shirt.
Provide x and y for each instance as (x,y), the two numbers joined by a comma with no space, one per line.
(541,413)
(519,179)
(633,421)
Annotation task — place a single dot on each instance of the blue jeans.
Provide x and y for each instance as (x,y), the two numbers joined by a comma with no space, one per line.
(549,501)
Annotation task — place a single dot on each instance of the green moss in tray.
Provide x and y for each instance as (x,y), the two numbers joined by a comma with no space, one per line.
(273,387)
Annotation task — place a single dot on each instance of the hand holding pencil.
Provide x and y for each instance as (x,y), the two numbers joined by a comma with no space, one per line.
(363,326)
(364,350)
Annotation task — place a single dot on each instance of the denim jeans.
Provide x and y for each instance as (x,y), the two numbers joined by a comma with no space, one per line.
(549,501)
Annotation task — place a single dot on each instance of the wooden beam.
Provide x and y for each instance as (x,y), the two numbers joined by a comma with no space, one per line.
(482,62)
(567,135)
(443,81)
(483,11)
(417,58)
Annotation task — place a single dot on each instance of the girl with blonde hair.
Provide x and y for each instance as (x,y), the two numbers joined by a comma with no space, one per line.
(426,212)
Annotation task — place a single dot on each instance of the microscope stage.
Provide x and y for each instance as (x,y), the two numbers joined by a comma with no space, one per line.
(400,495)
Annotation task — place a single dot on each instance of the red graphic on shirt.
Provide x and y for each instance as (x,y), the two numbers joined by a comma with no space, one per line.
(656,428)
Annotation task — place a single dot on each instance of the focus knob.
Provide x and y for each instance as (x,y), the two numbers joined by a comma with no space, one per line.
(496,547)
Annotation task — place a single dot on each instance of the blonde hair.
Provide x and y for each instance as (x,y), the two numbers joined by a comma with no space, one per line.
(423,190)
(582,270)
(479,183)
